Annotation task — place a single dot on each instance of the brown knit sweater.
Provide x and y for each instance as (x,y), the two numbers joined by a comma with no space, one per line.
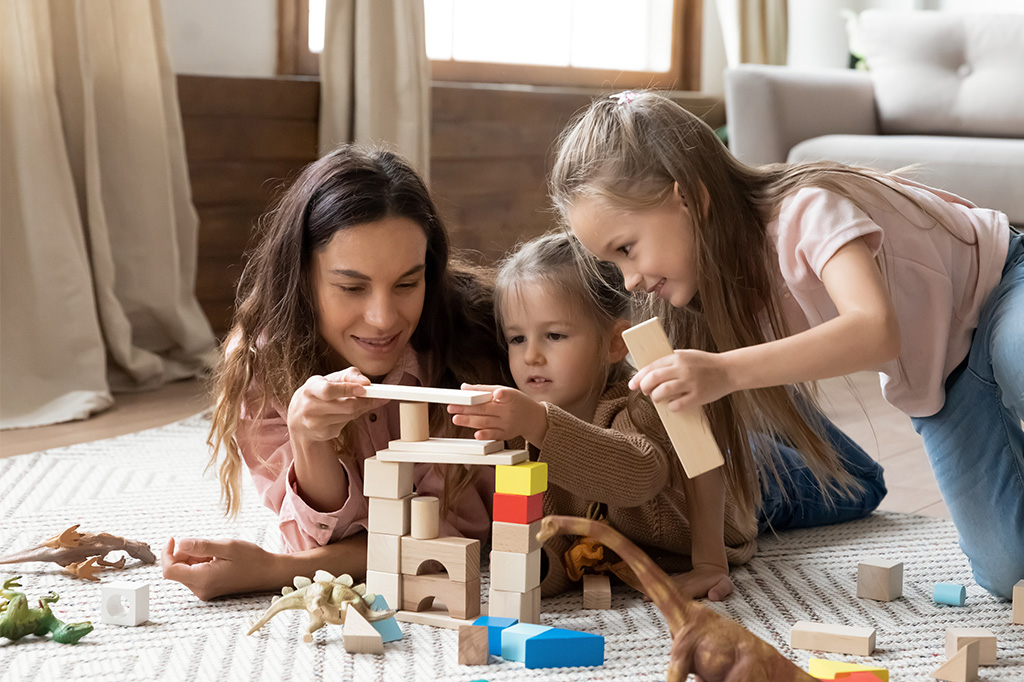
(611,462)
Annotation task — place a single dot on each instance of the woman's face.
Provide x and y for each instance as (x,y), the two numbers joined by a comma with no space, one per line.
(368,284)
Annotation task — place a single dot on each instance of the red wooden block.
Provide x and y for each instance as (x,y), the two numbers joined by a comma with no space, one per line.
(857,676)
(518,508)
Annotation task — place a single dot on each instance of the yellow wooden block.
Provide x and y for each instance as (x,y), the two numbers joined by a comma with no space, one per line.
(526,478)
(826,670)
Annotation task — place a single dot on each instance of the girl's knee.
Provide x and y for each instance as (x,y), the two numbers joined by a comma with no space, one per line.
(999,571)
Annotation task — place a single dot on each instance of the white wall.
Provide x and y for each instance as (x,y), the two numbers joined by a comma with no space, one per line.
(222,37)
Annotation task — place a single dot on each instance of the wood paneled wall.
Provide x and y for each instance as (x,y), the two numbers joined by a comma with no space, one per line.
(491,149)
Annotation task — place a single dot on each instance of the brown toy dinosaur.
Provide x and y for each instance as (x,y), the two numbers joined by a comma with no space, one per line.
(81,554)
(713,648)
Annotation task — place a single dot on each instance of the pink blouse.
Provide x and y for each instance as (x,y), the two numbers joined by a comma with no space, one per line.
(264,443)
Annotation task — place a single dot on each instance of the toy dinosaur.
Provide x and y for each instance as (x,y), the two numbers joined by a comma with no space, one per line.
(326,599)
(713,648)
(81,554)
(18,620)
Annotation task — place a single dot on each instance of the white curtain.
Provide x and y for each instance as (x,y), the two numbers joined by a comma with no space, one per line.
(97,229)
(375,78)
(754,31)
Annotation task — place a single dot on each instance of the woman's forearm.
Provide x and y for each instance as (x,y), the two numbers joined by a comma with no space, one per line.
(344,556)
(322,480)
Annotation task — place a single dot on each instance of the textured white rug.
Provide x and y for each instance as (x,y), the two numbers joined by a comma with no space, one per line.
(150,486)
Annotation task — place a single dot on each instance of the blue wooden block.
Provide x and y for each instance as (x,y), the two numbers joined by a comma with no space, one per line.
(389,629)
(949,593)
(494,625)
(560,648)
(514,638)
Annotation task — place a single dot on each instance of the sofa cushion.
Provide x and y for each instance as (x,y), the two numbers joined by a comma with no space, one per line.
(946,73)
(989,172)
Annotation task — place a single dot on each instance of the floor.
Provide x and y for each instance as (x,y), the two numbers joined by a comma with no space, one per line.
(856,405)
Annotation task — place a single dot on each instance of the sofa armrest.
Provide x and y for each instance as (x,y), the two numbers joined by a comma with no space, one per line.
(770,109)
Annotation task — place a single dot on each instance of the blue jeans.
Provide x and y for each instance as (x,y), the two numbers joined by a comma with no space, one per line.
(799,502)
(975,442)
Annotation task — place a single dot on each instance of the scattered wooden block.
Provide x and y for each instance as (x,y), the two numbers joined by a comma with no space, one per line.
(949,593)
(359,636)
(514,572)
(499,457)
(958,638)
(434,616)
(521,606)
(494,625)
(560,648)
(859,676)
(449,446)
(838,639)
(426,517)
(597,592)
(461,598)
(424,394)
(388,585)
(384,552)
(963,667)
(388,480)
(414,421)
(473,645)
(518,508)
(527,478)
(515,537)
(829,670)
(513,640)
(389,516)
(460,556)
(880,579)
(1018,602)
(689,432)
(124,603)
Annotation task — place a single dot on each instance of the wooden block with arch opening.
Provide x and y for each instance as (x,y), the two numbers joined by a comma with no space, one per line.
(526,478)
(459,556)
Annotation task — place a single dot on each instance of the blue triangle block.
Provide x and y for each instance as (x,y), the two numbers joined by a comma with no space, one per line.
(558,648)
(388,628)
(514,638)
(494,625)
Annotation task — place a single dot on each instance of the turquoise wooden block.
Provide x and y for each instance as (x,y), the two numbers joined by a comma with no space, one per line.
(513,640)
(949,593)
(389,629)
(560,648)
(494,625)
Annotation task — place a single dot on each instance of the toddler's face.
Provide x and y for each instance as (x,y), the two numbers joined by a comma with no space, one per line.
(654,248)
(556,353)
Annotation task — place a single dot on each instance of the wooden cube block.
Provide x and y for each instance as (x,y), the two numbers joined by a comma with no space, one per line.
(389,480)
(518,508)
(473,645)
(494,625)
(359,636)
(958,638)
(880,579)
(963,667)
(384,552)
(515,537)
(388,585)
(514,572)
(1018,602)
(426,517)
(389,516)
(414,421)
(461,598)
(597,592)
(522,606)
(838,639)
(526,478)
(460,556)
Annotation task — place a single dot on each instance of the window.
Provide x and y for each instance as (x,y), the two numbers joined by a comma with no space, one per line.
(606,43)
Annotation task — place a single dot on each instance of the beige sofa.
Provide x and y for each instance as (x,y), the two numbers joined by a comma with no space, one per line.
(943,90)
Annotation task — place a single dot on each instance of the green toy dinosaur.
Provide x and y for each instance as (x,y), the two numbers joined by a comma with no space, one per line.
(18,620)
(326,599)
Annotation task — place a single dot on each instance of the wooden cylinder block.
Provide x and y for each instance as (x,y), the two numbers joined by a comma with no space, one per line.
(414,419)
(426,517)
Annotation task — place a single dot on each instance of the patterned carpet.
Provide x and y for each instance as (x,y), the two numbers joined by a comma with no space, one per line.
(150,486)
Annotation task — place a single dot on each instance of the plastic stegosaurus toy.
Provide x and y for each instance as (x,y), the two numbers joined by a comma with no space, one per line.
(326,599)
(17,620)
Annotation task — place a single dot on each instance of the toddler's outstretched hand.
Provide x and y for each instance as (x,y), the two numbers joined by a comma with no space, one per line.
(213,568)
(705,581)
(686,379)
(510,413)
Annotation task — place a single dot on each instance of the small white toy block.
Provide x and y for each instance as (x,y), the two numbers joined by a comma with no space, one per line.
(459,556)
(360,637)
(473,645)
(515,537)
(389,480)
(436,617)
(461,598)
(449,446)
(389,585)
(528,478)
(689,431)
(879,579)
(597,592)
(426,517)
(424,394)
(414,421)
(123,603)
(958,638)
(500,457)
(384,552)
(389,516)
(828,670)
(837,639)
(1018,602)
(523,606)
(963,667)
(514,572)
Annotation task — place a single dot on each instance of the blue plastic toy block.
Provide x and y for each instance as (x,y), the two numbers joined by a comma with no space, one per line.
(514,638)
(949,593)
(494,625)
(389,629)
(559,648)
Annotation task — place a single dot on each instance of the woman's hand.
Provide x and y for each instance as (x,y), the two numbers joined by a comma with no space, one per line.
(708,581)
(510,413)
(686,379)
(214,568)
(322,406)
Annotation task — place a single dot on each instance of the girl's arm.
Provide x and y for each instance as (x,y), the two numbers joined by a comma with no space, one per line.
(705,507)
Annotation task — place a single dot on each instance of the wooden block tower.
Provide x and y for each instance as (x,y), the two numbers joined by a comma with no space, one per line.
(515,551)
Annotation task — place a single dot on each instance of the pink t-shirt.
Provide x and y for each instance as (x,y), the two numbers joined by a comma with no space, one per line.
(266,449)
(937,281)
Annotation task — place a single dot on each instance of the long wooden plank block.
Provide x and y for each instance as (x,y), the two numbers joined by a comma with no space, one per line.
(424,394)
(450,446)
(500,457)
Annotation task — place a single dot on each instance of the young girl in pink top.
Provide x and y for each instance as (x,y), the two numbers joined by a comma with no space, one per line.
(774,277)
(352,282)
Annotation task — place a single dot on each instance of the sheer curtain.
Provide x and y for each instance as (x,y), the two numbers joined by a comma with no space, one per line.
(754,31)
(97,229)
(375,78)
